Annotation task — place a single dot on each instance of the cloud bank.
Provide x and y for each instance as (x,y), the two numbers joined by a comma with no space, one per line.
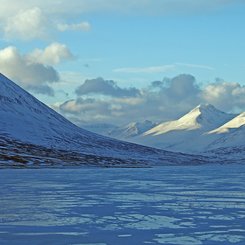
(35,19)
(162,100)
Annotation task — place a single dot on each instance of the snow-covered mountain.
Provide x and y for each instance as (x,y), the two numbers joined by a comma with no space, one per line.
(187,134)
(131,130)
(203,129)
(203,117)
(31,130)
(231,134)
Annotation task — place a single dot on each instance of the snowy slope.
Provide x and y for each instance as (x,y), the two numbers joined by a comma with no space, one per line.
(186,134)
(232,124)
(230,135)
(233,138)
(25,120)
(131,130)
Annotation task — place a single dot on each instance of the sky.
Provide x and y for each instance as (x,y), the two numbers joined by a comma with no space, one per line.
(97,61)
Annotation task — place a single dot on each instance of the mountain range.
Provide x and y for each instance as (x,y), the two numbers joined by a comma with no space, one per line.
(203,129)
(197,131)
(32,134)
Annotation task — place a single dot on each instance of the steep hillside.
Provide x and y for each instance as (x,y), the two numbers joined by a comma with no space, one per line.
(27,121)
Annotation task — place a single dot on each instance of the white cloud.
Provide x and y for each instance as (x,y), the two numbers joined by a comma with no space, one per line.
(161,68)
(27,24)
(83,26)
(29,74)
(105,87)
(51,55)
(149,69)
(226,95)
(205,67)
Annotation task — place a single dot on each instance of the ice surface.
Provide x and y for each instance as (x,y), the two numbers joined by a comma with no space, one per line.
(160,205)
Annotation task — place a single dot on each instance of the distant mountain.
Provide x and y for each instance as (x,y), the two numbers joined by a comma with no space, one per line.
(187,133)
(32,134)
(231,134)
(131,130)
(203,129)
(202,117)
(99,128)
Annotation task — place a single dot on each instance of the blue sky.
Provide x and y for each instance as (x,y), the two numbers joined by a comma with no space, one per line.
(52,48)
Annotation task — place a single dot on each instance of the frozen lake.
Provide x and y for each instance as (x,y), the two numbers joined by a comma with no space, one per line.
(162,205)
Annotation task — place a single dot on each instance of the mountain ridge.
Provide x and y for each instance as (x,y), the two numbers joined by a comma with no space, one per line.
(201,130)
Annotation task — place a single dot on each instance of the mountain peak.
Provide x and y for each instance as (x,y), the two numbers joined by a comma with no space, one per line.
(205,108)
(203,117)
